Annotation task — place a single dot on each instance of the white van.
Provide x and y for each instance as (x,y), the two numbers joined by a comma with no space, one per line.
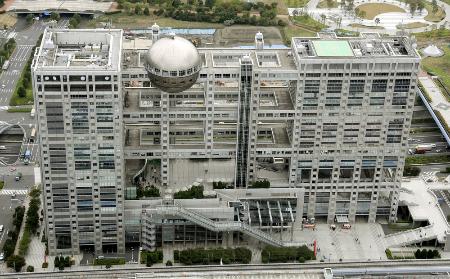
(1,228)
(2,147)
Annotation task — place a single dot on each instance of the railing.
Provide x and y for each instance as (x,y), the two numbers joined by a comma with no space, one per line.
(434,116)
(220,225)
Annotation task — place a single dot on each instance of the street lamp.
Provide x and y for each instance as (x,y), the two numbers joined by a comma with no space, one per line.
(132,254)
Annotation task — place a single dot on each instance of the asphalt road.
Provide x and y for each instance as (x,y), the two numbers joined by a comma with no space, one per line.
(25,40)
(7,202)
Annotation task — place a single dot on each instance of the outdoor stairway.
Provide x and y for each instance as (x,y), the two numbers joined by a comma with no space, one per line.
(221,226)
(410,236)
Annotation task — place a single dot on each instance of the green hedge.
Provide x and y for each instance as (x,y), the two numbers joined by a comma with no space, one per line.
(260,184)
(24,243)
(200,256)
(427,254)
(196,192)
(109,261)
(272,254)
(156,256)
(427,159)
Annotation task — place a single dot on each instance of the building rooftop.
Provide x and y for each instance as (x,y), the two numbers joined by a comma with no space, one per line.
(366,45)
(332,48)
(83,49)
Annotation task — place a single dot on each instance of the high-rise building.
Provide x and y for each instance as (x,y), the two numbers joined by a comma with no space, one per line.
(77,89)
(325,122)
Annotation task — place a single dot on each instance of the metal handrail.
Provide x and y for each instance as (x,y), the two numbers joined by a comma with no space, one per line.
(220,225)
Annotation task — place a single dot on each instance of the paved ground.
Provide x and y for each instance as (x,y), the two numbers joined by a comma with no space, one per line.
(39,6)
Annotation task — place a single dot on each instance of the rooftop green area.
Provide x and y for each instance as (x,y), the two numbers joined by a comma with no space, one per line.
(332,48)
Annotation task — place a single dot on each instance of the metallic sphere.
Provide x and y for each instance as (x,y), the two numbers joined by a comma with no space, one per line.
(173,64)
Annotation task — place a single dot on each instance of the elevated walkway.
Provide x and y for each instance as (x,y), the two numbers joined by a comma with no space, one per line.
(221,226)
(438,106)
(411,236)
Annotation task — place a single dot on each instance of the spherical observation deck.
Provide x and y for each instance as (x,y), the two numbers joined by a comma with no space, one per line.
(173,64)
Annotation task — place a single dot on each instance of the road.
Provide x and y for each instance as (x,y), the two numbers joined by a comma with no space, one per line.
(26,39)
(19,188)
(420,269)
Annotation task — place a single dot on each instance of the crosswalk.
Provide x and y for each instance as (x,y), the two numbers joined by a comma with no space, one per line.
(429,176)
(12,191)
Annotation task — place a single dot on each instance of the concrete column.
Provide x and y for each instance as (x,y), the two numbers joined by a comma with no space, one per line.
(312,204)
(299,209)
(373,207)
(164,138)
(331,208)
(353,205)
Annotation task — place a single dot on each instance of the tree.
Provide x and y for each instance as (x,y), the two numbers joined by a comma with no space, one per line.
(29,18)
(22,92)
(137,9)
(149,261)
(55,16)
(146,11)
(323,17)
(329,3)
(420,6)
(169,263)
(434,5)
(412,8)
(16,262)
(30,268)
(210,3)
(377,21)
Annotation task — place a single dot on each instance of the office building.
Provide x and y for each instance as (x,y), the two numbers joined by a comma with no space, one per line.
(325,122)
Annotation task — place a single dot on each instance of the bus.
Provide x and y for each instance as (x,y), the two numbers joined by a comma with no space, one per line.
(5,65)
(32,135)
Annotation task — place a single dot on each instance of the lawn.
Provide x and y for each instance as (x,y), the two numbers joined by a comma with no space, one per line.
(425,37)
(308,23)
(20,109)
(412,25)
(17,101)
(434,17)
(294,31)
(357,25)
(417,159)
(295,3)
(328,4)
(374,9)
(7,19)
(123,20)
(439,65)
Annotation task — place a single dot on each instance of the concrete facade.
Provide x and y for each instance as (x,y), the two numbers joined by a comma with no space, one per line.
(332,123)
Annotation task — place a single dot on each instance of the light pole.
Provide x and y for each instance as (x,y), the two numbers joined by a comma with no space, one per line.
(132,254)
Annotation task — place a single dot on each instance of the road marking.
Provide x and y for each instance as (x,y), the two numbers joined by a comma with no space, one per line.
(5,192)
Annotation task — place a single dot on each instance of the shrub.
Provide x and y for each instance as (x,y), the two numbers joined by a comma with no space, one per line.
(196,192)
(260,184)
(272,254)
(21,92)
(44,265)
(30,268)
(389,254)
(155,257)
(411,171)
(109,261)
(148,261)
(16,262)
(214,256)
(169,263)
(427,254)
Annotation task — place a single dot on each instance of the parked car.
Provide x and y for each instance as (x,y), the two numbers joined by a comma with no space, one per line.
(2,256)
(1,228)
